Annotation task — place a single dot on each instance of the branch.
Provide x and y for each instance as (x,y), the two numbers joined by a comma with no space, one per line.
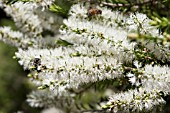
(114,5)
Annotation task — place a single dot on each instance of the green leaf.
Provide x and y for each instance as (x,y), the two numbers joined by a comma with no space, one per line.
(61,7)
(63,43)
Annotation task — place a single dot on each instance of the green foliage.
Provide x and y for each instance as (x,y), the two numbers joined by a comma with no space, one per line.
(162,23)
(61,7)
(61,42)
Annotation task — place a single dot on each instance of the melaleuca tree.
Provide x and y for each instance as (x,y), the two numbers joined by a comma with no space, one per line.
(85,57)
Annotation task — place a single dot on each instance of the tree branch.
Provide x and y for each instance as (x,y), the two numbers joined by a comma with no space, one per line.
(114,5)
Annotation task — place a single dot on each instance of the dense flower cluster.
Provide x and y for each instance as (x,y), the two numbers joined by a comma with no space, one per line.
(84,52)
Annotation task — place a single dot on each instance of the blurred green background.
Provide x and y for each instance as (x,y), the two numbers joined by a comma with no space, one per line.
(14,85)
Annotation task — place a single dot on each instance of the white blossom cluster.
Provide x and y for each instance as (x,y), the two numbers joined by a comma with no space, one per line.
(154,84)
(85,51)
(31,23)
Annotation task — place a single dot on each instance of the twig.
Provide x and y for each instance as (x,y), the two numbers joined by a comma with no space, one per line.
(94,111)
(128,5)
